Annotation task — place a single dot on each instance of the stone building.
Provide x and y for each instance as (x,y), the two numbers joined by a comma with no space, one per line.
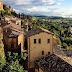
(1,43)
(12,19)
(70,29)
(1,5)
(26,25)
(13,38)
(39,44)
(55,41)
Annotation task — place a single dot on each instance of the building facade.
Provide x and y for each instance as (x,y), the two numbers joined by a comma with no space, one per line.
(1,5)
(13,38)
(70,29)
(13,20)
(39,44)
(55,41)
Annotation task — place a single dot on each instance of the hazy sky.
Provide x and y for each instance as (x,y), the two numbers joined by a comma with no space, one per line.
(42,7)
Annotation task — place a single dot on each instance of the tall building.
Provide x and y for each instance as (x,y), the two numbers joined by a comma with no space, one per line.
(39,44)
(1,5)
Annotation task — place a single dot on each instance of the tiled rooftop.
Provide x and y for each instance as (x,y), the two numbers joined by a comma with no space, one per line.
(37,31)
(66,55)
(53,63)
(13,30)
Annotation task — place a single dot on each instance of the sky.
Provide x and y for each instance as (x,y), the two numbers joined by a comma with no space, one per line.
(61,8)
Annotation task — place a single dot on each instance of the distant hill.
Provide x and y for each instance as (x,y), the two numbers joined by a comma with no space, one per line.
(47,17)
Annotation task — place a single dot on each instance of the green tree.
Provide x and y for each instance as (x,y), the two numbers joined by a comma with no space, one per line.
(13,62)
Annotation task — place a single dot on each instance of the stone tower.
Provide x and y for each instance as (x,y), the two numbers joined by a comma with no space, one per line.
(1,43)
(1,5)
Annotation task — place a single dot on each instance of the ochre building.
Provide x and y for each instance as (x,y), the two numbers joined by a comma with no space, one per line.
(39,44)
(1,5)
(13,38)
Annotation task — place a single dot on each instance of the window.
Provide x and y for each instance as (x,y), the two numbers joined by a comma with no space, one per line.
(34,41)
(39,40)
(48,53)
(42,52)
(12,45)
(48,40)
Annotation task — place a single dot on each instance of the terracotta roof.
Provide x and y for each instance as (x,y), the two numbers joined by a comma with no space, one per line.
(66,55)
(12,34)
(62,52)
(58,51)
(13,30)
(12,18)
(37,31)
(13,26)
(53,63)
(3,23)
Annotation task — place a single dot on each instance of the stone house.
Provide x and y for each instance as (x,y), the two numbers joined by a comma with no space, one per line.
(1,5)
(70,29)
(39,44)
(27,25)
(12,19)
(13,38)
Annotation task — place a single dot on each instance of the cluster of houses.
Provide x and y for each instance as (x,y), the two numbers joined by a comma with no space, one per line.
(44,54)
(37,43)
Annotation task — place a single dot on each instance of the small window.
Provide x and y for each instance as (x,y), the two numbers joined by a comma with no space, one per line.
(12,45)
(34,41)
(42,52)
(39,40)
(48,40)
(48,53)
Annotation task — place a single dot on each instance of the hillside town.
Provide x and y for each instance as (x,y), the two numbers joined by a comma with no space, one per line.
(41,45)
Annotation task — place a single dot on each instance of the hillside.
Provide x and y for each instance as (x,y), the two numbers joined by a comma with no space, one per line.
(57,25)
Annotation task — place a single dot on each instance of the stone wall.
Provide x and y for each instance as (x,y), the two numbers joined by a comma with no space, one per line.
(1,43)
(1,5)
(18,43)
(55,41)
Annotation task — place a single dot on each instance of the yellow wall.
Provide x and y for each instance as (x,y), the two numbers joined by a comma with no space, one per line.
(40,70)
(6,18)
(36,70)
(18,22)
(1,5)
(35,50)
(21,40)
